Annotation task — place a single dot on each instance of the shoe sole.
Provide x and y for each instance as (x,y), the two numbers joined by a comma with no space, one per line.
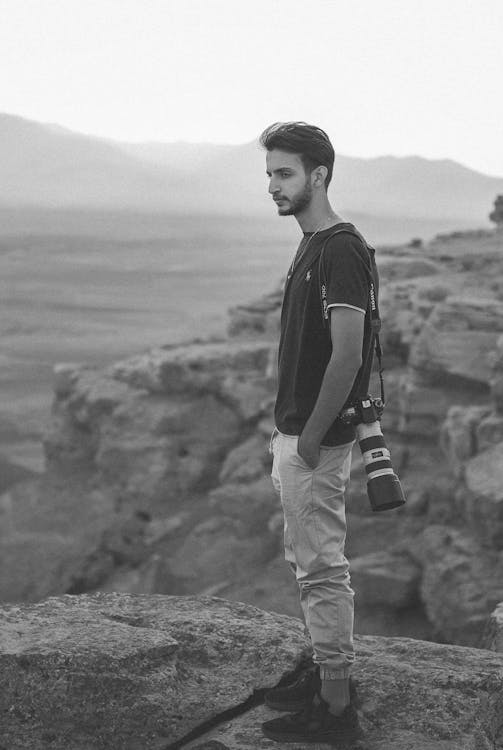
(328,737)
(299,704)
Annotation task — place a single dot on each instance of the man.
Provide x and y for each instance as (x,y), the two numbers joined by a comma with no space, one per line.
(325,337)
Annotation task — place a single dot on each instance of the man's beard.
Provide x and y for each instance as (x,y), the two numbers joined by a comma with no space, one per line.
(299,202)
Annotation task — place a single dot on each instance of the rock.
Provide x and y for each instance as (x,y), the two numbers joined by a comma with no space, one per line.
(161,449)
(140,456)
(421,408)
(386,579)
(400,709)
(252,503)
(271,587)
(248,395)
(391,269)
(493,636)
(483,503)
(246,462)
(72,438)
(458,436)
(123,671)
(439,493)
(142,672)
(496,380)
(156,448)
(193,367)
(461,583)
(160,528)
(152,576)
(226,551)
(489,431)
(51,537)
(12,473)
(258,318)
(65,375)
(457,339)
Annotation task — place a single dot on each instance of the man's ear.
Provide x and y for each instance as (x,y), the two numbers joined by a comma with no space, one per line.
(319,176)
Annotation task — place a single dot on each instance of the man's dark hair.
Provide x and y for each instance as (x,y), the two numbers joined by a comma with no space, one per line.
(312,144)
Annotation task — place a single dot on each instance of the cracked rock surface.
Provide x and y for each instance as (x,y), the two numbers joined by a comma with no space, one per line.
(411,695)
(139,672)
(132,672)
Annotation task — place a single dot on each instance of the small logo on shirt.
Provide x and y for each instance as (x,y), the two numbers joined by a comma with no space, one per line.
(308,275)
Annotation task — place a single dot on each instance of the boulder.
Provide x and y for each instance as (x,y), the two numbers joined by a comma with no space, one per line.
(460,585)
(192,367)
(251,503)
(153,448)
(159,449)
(127,672)
(51,537)
(65,375)
(385,579)
(457,339)
(392,268)
(496,381)
(411,695)
(246,462)
(259,318)
(493,636)
(483,502)
(421,409)
(133,672)
(489,431)
(458,436)
(219,550)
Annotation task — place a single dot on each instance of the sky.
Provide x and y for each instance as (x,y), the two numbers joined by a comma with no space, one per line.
(380,76)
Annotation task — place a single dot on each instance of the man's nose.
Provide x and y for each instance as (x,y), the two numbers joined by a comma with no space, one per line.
(273,186)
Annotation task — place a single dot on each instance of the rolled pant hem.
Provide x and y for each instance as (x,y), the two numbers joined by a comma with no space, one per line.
(341,673)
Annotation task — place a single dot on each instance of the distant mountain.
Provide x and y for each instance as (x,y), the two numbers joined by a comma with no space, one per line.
(46,165)
(49,166)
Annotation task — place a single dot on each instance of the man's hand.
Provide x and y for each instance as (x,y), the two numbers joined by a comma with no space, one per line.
(309,451)
(347,337)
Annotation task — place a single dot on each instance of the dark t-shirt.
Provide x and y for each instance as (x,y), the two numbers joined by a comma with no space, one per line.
(305,345)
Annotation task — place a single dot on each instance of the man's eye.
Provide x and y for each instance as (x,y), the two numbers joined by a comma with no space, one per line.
(285,174)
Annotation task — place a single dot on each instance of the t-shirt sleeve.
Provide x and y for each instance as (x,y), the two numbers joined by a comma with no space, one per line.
(345,274)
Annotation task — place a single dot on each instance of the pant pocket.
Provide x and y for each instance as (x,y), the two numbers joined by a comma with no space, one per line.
(274,435)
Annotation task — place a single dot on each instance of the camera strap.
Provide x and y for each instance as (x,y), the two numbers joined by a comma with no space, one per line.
(373,305)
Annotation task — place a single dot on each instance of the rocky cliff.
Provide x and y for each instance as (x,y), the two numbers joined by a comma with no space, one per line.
(136,672)
(157,468)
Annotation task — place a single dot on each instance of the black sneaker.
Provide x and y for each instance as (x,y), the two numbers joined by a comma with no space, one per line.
(314,724)
(299,694)
(296,696)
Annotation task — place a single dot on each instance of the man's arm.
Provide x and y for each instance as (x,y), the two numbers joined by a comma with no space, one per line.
(346,330)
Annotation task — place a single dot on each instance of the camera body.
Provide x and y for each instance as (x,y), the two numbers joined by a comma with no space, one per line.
(383,486)
(366,410)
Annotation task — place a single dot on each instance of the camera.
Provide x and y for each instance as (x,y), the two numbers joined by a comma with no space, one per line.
(383,486)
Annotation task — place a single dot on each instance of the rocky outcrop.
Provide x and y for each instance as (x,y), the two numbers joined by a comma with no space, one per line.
(127,672)
(127,450)
(457,338)
(463,562)
(167,452)
(118,671)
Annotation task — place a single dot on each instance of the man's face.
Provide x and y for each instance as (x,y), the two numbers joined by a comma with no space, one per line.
(289,185)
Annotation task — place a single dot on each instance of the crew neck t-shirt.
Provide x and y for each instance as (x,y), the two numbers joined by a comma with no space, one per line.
(305,345)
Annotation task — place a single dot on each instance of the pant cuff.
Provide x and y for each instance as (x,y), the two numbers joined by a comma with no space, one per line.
(341,673)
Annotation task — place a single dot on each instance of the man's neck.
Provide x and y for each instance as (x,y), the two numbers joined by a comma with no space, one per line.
(317,218)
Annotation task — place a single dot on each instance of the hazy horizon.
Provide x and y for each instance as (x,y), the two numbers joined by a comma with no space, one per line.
(181,142)
(379,78)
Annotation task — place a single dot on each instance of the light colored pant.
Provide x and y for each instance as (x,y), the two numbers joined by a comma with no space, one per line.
(314,535)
